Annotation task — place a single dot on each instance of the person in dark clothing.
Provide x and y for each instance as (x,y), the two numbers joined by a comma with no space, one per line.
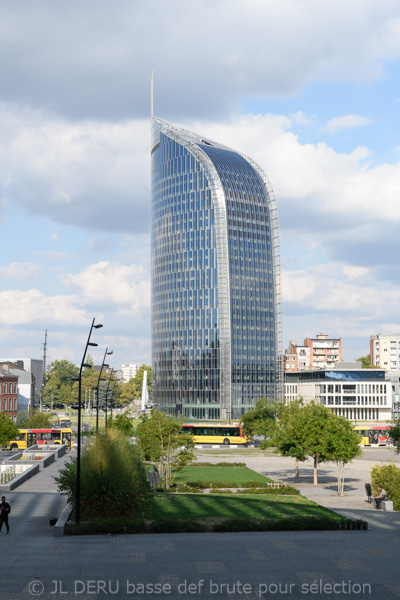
(5,510)
(382,496)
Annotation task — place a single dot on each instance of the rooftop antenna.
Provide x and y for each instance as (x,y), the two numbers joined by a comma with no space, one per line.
(152,95)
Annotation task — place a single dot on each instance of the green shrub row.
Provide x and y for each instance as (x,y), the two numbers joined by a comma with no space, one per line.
(226,484)
(219,464)
(176,526)
(285,490)
(387,476)
(112,525)
(288,524)
(116,526)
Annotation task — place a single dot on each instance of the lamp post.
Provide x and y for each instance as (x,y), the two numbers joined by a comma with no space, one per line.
(78,456)
(112,397)
(108,385)
(103,364)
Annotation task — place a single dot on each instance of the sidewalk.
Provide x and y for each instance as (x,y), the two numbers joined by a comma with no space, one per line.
(35,501)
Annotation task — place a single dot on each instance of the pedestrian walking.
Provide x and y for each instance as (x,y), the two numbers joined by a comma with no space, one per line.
(5,511)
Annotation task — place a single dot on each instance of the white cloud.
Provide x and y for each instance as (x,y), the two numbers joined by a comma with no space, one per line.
(125,286)
(32,307)
(321,288)
(346,122)
(21,271)
(251,48)
(87,174)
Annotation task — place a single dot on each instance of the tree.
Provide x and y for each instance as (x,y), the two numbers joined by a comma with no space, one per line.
(8,429)
(128,393)
(60,373)
(38,420)
(316,432)
(124,423)
(366,362)
(162,442)
(66,395)
(260,419)
(314,421)
(394,435)
(287,436)
(343,444)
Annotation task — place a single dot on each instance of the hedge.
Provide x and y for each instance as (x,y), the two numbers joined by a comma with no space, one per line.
(388,477)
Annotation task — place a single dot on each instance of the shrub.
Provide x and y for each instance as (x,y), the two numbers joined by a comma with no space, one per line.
(114,525)
(387,476)
(219,464)
(226,484)
(285,490)
(176,526)
(113,478)
(288,524)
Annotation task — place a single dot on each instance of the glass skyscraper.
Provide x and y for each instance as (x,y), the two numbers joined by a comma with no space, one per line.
(216,296)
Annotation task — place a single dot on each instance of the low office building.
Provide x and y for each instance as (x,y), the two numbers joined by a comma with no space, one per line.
(358,394)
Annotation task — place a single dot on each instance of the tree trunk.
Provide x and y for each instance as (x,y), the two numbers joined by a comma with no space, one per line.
(315,470)
(297,468)
(340,476)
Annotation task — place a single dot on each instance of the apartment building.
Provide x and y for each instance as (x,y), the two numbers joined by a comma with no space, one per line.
(296,358)
(385,351)
(324,351)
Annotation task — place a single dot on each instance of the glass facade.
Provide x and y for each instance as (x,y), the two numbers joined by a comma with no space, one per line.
(214,271)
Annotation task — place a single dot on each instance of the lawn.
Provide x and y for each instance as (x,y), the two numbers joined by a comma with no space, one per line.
(203,506)
(228,475)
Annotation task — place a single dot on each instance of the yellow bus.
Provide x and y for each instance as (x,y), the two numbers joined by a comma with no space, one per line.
(373,435)
(216,434)
(29,437)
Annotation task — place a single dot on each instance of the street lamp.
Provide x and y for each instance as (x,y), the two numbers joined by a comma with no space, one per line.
(112,397)
(103,364)
(78,457)
(108,385)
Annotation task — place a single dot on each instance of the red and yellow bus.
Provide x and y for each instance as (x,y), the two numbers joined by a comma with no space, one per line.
(215,434)
(374,435)
(29,437)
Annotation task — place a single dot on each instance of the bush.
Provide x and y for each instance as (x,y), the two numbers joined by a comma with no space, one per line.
(289,524)
(387,476)
(219,464)
(113,478)
(285,490)
(113,526)
(226,484)
(176,526)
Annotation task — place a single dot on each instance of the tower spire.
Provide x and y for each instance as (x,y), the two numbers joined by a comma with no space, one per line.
(152,95)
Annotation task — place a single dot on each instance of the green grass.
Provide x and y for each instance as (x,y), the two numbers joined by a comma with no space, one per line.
(203,506)
(220,474)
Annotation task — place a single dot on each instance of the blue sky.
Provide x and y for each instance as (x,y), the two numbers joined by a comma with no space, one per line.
(308,89)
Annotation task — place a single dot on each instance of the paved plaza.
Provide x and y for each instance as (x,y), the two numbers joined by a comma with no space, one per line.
(262,565)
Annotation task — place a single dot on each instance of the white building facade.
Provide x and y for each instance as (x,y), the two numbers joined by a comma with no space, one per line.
(361,395)
(129,372)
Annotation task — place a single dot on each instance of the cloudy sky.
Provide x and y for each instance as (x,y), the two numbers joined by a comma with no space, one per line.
(308,89)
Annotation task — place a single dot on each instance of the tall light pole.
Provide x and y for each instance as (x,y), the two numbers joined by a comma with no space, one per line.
(103,364)
(78,457)
(108,385)
(112,397)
